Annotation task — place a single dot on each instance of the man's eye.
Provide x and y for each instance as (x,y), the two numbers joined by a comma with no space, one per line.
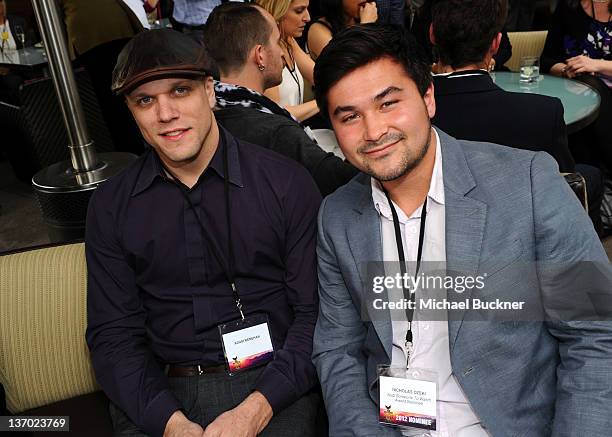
(181,90)
(144,100)
(389,103)
(349,117)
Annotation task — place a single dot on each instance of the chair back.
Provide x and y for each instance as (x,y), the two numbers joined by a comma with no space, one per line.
(525,44)
(43,353)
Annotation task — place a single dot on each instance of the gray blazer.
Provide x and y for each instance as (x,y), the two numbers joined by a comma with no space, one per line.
(503,207)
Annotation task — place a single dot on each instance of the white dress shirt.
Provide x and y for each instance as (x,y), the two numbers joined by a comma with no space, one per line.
(431,348)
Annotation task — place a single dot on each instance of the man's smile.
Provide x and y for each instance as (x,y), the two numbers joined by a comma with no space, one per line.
(175,134)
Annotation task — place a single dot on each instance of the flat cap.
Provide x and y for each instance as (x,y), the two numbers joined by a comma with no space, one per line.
(159,54)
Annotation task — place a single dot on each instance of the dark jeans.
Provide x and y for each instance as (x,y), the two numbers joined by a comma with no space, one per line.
(205,397)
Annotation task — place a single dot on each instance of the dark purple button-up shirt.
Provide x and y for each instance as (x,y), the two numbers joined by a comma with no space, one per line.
(156,292)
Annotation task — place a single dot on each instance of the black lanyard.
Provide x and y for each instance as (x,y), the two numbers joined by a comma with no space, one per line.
(402,260)
(230,270)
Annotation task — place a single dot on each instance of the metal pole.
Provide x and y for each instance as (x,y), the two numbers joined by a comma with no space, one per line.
(82,152)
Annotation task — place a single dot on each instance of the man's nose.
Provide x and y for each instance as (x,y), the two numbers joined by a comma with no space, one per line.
(375,127)
(166,110)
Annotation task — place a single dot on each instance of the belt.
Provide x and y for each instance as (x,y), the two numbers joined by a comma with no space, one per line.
(174,370)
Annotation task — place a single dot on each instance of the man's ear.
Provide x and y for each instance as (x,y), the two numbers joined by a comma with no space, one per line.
(259,55)
(495,44)
(430,101)
(209,85)
(432,36)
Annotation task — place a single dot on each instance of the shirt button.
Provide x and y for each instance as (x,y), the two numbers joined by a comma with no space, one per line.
(426,326)
(413,230)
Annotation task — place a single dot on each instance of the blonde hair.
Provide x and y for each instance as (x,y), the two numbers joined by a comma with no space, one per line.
(276,8)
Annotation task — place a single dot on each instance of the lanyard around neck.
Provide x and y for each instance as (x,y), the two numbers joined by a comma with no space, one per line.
(229,270)
(402,260)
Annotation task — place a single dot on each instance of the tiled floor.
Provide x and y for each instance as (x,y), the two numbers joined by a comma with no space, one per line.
(21,224)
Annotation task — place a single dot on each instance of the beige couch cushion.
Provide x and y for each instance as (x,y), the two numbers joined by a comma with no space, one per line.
(43,355)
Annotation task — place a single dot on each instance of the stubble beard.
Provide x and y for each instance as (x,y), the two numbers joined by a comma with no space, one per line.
(409,161)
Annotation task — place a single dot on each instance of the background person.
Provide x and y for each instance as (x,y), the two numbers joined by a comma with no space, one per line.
(244,41)
(189,16)
(292,17)
(335,16)
(11,28)
(421,31)
(470,106)
(579,46)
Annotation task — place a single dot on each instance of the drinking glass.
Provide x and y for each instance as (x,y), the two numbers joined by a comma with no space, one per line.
(530,69)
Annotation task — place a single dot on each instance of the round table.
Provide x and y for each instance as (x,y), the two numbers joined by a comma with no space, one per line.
(24,59)
(580,101)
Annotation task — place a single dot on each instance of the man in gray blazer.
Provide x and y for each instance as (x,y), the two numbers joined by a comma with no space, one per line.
(503,215)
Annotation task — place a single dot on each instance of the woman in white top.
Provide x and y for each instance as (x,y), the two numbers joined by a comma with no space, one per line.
(292,17)
(8,30)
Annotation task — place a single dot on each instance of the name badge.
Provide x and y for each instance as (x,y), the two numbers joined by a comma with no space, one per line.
(247,343)
(408,398)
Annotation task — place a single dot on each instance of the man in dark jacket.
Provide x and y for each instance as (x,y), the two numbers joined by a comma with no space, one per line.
(200,321)
(244,41)
(471,106)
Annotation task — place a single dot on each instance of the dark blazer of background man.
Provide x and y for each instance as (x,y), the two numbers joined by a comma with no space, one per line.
(471,106)
(244,41)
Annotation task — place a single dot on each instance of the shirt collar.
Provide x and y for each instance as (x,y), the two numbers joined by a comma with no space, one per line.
(463,73)
(435,193)
(152,167)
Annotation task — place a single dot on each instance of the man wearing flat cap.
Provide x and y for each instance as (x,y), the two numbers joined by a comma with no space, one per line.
(201,265)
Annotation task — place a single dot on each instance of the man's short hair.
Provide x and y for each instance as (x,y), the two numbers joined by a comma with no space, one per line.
(231,31)
(464,29)
(360,45)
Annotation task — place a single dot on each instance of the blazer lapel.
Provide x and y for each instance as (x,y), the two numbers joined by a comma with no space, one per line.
(363,233)
(465,222)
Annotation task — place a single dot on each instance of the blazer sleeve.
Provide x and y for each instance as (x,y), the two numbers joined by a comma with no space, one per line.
(571,265)
(338,350)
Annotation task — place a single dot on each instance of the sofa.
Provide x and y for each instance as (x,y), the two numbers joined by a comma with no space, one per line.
(44,361)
